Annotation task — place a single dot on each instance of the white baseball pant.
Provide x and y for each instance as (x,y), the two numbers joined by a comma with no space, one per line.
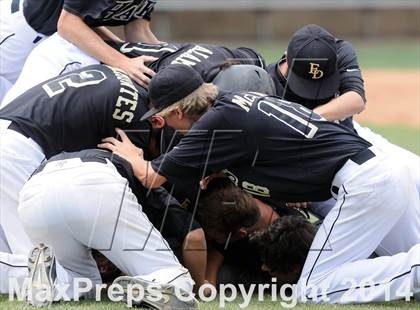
(377,207)
(5,86)
(410,159)
(17,39)
(53,57)
(77,206)
(19,157)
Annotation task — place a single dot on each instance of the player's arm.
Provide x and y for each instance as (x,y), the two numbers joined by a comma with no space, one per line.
(346,105)
(107,35)
(214,262)
(139,31)
(72,28)
(352,94)
(142,168)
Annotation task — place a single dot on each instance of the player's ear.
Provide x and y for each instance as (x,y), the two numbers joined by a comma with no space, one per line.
(157,121)
(179,113)
(242,232)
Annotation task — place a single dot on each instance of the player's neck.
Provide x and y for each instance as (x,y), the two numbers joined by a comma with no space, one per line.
(267,216)
(282,69)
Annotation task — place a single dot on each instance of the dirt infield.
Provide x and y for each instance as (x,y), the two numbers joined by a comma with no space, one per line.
(393,98)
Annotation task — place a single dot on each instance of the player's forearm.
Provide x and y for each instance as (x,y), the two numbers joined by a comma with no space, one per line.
(214,262)
(346,105)
(139,31)
(107,35)
(145,173)
(73,29)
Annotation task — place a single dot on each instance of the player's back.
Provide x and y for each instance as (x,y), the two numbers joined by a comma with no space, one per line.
(207,59)
(292,153)
(75,111)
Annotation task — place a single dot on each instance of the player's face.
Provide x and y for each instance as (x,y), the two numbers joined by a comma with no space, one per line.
(179,121)
(282,277)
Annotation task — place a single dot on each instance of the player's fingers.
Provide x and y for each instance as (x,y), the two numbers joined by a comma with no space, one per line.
(139,81)
(147,58)
(111,140)
(142,70)
(123,135)
(108,146)
(143,78)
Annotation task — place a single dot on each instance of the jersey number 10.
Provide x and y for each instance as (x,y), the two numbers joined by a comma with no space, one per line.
(291,114)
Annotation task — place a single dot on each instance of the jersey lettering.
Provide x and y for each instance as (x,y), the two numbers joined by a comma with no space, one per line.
(143,48)
(127,100)
(247,100)
(193,56)
(76,80)
(291,114)
(125,10)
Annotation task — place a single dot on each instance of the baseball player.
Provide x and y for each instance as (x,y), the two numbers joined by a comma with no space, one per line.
(25,23)
(322,73)
(86,200)
(282,151)
(285,246)
(68,113)
(55,56)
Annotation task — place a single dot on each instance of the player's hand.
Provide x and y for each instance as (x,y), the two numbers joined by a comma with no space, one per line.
(297,205)
(123,148)
(137,70)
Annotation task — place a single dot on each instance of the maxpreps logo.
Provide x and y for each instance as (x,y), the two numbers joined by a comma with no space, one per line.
(125,10)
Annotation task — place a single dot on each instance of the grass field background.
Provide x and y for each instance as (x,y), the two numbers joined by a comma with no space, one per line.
(395,54)
(372,54)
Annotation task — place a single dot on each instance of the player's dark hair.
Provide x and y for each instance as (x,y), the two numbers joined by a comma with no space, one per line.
(229,63)
(224,208)
(285,243)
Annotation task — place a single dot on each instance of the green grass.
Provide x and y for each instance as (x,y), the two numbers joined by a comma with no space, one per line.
(254,305)
(372,54)
(405,137)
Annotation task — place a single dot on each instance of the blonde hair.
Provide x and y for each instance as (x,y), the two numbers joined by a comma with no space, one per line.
(195,104)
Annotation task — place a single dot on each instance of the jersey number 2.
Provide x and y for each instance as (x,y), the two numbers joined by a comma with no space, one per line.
(84,78)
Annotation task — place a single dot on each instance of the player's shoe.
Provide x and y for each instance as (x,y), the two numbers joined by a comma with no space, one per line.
(168,301)
(42,275)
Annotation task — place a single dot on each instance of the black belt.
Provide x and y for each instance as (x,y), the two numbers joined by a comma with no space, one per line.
(359,158)
(83,159)
(362,157)
(15,127)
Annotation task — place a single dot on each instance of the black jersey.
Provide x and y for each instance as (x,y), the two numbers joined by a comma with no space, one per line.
(207,59)
(75,111)
(269,147)
(43,15)
(350,79)
(133,50)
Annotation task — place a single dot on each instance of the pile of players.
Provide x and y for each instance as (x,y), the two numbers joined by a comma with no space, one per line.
(185,164)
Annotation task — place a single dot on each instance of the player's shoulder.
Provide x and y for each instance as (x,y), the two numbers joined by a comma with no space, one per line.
(238,100)
(346,54)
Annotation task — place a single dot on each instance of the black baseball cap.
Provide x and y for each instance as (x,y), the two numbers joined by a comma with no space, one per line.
(170,85)
(312,62)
